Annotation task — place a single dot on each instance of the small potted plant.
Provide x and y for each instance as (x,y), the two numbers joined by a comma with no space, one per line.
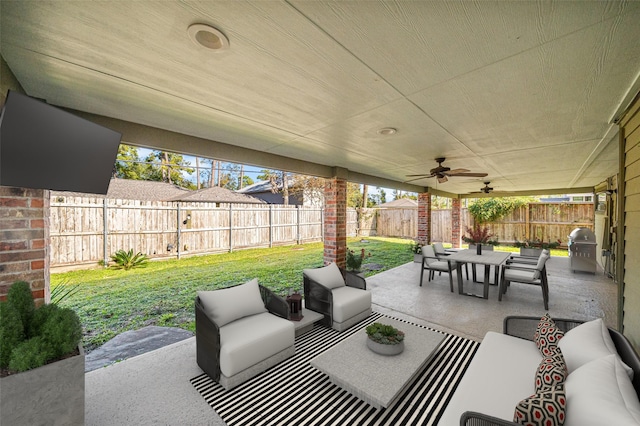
(416,248)
(479,237)
(354,260)
(385,339)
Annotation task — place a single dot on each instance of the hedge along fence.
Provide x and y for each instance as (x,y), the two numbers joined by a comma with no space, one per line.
(546,221)
(87,230)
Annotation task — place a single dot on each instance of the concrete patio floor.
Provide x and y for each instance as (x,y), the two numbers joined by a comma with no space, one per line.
(154,388)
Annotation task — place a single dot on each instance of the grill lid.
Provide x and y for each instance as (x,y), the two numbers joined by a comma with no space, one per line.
(582,235)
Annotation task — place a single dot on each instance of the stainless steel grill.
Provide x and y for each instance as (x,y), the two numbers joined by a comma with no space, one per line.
(582,250)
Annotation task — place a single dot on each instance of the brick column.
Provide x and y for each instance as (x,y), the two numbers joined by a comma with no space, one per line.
(335,221)
(455,222)
(24,240)
(424,218)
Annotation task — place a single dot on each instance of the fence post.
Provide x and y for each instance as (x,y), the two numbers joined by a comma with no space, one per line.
(298,225)
(105,232)
(270,225)
(178,230)
(230,227)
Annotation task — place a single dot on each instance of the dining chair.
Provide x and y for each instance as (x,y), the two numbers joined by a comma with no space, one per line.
(433,264)
(441,253)
(525,274)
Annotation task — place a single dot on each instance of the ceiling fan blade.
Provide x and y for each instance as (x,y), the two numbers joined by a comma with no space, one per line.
(416,178)
(456,172)
(442,179)
(471,174)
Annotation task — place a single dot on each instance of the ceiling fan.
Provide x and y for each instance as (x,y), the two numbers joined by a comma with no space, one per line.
(487,189)
(442,173)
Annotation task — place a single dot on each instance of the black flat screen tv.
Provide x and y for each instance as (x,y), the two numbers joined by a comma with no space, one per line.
(44,147)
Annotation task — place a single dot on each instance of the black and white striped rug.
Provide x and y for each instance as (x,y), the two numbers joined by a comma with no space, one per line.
(295,393)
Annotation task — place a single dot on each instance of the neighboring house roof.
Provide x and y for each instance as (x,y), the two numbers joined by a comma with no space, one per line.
(400,203)
(217,195)
(260,186)
(144,190)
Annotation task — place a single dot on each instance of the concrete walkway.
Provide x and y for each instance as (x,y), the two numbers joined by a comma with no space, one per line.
(154,388)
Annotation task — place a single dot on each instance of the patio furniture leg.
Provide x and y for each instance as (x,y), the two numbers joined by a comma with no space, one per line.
(421,273)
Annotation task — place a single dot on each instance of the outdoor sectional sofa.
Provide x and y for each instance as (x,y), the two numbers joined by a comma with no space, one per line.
(598,387)
(240,332)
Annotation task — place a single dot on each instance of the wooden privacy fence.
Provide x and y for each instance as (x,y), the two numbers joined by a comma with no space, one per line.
(88,230)
(546,221)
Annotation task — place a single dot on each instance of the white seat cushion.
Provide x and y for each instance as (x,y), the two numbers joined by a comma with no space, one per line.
(500,375)
(249,340)
(329,276)
(349,301)
(519,275)
(440,265)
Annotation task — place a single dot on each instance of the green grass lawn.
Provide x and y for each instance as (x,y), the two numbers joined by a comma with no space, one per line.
(110,302)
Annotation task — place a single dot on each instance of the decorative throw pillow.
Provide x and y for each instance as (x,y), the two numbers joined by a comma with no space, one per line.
(601,393)
(551,372)
(546,408)
(547,335)
(588,342)
(329,276)
(229,304)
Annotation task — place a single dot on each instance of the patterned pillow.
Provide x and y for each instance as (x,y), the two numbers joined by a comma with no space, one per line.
(547,336)
(551,372)
(546,408)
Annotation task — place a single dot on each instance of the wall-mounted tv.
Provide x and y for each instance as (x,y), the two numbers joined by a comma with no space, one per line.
(44,147)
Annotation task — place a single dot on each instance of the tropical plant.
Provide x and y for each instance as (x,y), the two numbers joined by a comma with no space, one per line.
(384,334)
(30,337)
(127,260)
(478,235)
(354,261)
(415,247)
(62,291)
(537,243)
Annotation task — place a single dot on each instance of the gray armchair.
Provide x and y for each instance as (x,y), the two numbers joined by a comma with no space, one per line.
(240,332)
(341,296)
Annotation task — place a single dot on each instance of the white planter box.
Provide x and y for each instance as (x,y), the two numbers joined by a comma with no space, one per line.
(51,394)
(534,252)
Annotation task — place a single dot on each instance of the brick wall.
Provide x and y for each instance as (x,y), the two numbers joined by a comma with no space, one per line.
(455,222)
(24,240)
(424,218)
(335,221)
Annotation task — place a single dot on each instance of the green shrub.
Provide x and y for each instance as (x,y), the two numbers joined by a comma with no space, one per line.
(385,334)
(30,354)
(48,333)
(11,332)
(61,331)
(127,260)
(19,296)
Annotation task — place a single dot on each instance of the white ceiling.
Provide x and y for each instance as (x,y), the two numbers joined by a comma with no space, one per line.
(525,91)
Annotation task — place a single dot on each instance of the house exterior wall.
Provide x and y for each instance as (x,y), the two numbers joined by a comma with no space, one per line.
(629,249)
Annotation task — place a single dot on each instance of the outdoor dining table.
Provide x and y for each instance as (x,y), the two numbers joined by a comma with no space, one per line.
(487,258)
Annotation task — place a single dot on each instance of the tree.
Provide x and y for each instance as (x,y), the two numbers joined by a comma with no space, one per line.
(309,188)
(170,169)
(128,164)
(487,210)
(354,196)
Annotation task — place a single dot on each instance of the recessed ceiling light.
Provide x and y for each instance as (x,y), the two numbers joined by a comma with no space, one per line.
(208,37)
(386,131)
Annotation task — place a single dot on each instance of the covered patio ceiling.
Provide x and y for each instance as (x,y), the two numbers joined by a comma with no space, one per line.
(526,91)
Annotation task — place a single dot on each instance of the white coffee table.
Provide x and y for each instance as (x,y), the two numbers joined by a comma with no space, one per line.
(378,379)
